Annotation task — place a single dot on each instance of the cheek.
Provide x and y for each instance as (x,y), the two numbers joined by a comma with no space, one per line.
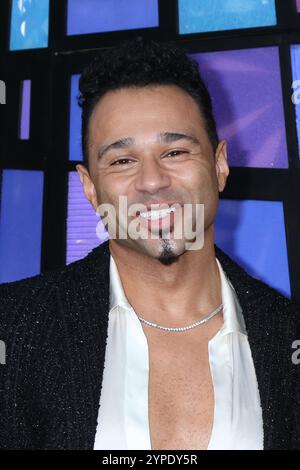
(200,180)
(109,190)
(104,192)
(121,182)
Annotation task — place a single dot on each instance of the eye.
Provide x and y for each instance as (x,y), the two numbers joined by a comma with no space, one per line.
(121,161)
(175,153)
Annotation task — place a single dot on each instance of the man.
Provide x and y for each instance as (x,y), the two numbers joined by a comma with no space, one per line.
(149,343)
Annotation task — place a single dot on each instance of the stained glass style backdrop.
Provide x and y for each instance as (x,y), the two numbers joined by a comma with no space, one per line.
(29,24)
(244,79)
(198,16)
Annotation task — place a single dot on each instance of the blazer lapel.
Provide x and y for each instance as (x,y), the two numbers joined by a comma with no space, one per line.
(84,306)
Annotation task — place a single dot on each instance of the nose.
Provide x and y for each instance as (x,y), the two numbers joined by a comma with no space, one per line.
(151,177)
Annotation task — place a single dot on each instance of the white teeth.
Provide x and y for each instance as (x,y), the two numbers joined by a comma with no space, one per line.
(153,215)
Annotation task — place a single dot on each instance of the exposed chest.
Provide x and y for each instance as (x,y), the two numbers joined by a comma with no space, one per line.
(181,401)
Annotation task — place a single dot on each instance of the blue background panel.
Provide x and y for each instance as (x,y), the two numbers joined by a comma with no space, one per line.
(75,152)
(20,224)
(253,234)
(96,16)
(29,24)
(295,58)
(196,16)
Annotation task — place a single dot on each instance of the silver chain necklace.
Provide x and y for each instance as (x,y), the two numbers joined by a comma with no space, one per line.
(182,328)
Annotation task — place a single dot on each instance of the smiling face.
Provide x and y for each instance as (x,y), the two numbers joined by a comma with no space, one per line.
(150,145)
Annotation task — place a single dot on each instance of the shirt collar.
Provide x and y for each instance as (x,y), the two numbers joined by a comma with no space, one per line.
(232,311)
(117,295)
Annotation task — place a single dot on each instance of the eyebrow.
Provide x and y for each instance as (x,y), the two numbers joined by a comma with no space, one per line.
(164,137)
(118,144)
(169,137)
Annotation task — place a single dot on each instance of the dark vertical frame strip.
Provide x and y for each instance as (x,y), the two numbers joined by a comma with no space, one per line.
(56,172)
(57,23)
(286,14)
(5,8)
(168,19)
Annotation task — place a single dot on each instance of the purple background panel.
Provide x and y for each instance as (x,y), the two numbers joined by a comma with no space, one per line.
(20,224)
(75,152)
(25,110)
(298,5)
(245,86)
(253,234)
(82,222)
(94,16)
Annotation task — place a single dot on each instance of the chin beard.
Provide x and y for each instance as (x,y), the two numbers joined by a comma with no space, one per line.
(167,255)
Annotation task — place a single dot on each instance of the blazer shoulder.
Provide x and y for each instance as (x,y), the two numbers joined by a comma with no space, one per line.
(13,291)
(42,283)
(279,304)
(33,294)
(37,294)
(255,295)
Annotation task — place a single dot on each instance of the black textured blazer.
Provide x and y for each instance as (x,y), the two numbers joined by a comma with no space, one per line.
(55,324)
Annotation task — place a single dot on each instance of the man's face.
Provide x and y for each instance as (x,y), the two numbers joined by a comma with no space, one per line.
(150,145)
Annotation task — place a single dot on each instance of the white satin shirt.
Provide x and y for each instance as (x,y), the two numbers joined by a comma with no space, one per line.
(123,411)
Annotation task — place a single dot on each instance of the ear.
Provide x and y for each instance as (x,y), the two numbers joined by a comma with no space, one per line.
(222,168)
(88,186)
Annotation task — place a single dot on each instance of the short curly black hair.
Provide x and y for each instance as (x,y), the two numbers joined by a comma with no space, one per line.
(140,62)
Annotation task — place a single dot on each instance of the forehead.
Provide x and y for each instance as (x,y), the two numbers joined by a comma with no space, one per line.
(144,110)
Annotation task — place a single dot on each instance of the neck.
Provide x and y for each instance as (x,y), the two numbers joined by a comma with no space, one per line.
(180,292)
